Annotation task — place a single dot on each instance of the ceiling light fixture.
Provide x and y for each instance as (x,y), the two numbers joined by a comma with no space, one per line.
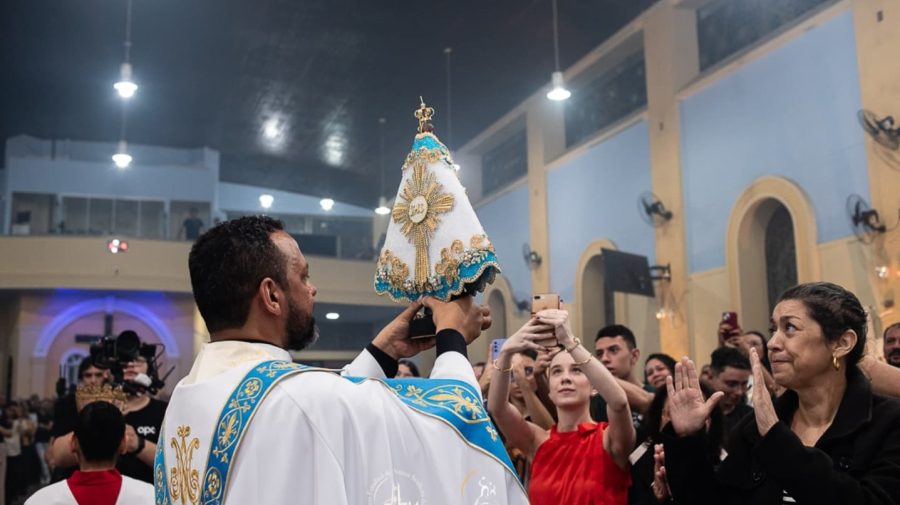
(559,91)
(122,159)
(326,204)
(266,201)
(382,209)
(332,316)
(126,87)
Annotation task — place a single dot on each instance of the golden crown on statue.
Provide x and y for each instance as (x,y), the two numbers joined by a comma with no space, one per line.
(85,394)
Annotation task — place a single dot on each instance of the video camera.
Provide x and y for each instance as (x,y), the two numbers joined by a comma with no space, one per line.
(115,353)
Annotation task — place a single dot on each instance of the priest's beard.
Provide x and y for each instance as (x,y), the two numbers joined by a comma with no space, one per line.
(301,329)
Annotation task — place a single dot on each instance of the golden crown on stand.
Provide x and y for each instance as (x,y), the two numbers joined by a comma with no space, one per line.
(105,392)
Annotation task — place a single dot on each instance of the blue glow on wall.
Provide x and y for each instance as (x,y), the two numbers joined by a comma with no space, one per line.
(791,113)
(505,219)
(594,196)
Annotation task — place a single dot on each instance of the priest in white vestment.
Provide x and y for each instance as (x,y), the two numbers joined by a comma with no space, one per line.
(246,426)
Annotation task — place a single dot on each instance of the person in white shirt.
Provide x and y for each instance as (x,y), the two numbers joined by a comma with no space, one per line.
(98,440)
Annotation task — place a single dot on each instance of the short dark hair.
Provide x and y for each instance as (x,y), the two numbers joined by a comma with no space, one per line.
(889,328)
(228,262)
(618,330)
(86,363)
(99,431)
(665,359)
(728,356)
(836,310)
(413,369)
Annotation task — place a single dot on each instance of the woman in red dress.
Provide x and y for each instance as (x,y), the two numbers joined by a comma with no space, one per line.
(577,461)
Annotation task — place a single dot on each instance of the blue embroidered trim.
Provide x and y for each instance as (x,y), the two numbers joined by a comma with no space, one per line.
(160,486)
(452,401)
(233,422)
(456,403)
(476,275)
(428,142)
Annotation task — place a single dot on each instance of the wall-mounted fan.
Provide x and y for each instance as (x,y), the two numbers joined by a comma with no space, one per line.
(864,219)
(532,258)
(880,129)
(652,210)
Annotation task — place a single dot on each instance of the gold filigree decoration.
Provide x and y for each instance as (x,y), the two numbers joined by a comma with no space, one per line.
(185,480)
(421,202)
(423,114)
(451,398)
(85,394)
(391,270)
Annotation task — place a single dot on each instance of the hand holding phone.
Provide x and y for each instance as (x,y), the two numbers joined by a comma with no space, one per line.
(541,302)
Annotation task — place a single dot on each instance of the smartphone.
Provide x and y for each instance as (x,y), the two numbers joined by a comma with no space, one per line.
(541,302)
(496,345)
(731,319)
(544,301)
(422,325)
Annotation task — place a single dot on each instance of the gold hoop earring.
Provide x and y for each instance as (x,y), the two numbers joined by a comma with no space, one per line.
(835,363)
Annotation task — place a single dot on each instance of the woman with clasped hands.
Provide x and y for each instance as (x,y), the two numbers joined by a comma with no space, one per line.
(827,440)
(577,461)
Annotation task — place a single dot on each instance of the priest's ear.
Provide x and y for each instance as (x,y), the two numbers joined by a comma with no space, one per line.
(271,296)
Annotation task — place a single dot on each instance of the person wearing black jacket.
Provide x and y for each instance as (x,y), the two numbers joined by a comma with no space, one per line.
(827,440)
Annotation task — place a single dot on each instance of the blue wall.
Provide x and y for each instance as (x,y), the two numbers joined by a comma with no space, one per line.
(791,113)
(505,219)
(595,196)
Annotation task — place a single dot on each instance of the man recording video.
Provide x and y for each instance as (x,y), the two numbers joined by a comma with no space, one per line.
(131,366)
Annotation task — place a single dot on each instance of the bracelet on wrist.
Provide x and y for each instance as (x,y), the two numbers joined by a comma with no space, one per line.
(575,343)
(501,370)
(585,362)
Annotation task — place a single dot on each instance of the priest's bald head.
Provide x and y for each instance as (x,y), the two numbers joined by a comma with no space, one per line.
(251,282)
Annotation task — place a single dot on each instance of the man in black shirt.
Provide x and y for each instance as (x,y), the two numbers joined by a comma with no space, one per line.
(143,418)
(730,371)
(192,226)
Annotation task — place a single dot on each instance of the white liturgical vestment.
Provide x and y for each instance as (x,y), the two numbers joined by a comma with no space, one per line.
(316,437)
(132,492)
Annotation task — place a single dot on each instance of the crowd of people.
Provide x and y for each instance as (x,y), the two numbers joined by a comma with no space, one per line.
(803,416)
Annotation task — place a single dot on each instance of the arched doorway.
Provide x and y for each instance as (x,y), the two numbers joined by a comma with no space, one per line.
(771,245)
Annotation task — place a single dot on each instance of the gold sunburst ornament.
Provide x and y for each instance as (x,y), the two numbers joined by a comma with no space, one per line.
(424,252)
(418,210)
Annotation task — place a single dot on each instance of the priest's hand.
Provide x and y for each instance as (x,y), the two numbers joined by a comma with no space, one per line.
(461,314)
(394,338)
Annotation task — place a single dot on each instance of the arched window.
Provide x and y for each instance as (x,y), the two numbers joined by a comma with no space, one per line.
(497,303)
(781,254)
(68,366)
(594,306)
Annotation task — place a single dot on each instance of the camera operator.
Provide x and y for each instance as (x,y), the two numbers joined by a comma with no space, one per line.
(143,418)
(131,365)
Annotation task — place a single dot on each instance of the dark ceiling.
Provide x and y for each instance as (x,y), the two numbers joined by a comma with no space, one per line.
(217,72)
